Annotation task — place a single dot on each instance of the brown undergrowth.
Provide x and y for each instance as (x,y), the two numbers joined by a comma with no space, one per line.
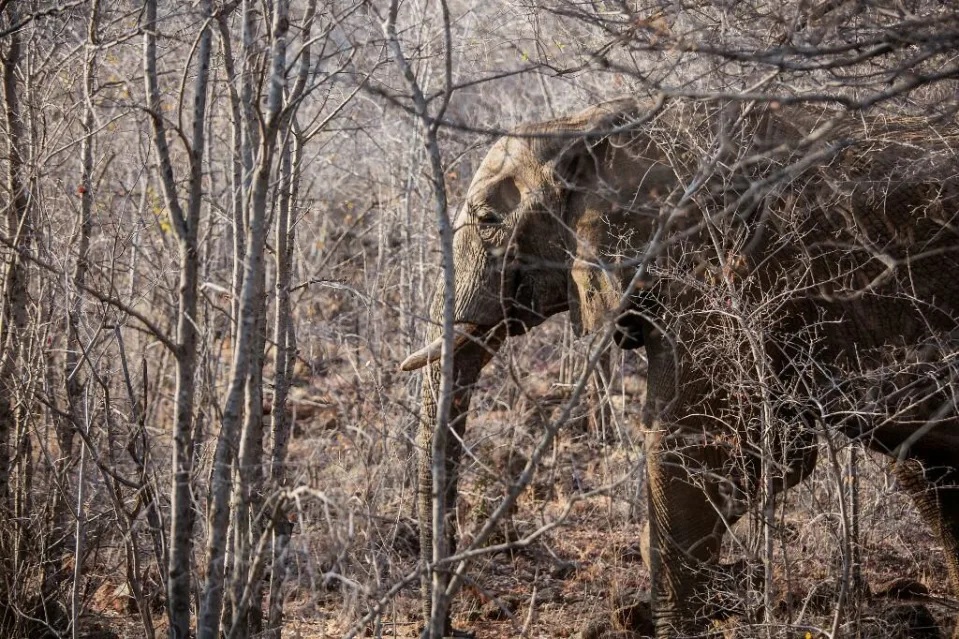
(355,534)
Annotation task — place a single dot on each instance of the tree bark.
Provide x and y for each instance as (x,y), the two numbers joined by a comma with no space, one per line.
(185,225)
(13,315)
(250,318)
(285,339)
(440,381)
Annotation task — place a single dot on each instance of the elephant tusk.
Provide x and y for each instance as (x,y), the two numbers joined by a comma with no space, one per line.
(431,353)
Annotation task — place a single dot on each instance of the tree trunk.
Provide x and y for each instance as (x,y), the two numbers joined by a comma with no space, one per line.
(185,225)
(18,227)
(251,316)
(285,353)
(247,489)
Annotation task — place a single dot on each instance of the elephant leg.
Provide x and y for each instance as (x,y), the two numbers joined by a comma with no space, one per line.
(697,491)
(799,465)
(935,490)
(692,503)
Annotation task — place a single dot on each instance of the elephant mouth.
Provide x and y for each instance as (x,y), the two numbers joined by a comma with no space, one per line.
(487,337)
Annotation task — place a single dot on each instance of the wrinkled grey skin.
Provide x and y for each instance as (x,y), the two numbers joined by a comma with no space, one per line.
(848,252)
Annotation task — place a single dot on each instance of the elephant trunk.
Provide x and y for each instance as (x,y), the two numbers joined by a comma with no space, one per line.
(469,359)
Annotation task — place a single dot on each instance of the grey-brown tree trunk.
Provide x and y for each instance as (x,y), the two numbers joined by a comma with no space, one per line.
(251,319)
(185,225)
(285,345)
(18,227)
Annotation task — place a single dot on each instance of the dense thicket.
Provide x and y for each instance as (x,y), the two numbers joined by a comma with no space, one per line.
(219,238)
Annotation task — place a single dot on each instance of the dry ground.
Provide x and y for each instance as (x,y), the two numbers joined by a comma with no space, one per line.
(356,533)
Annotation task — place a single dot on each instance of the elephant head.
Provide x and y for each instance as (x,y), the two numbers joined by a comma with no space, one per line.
(544,223)
(551,214)
(614,219)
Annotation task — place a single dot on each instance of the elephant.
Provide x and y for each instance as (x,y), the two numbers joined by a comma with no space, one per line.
(790,270)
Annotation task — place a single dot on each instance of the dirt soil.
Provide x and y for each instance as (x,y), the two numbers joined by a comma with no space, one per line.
(576,568)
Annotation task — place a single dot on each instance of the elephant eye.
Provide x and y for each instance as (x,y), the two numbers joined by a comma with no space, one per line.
(488,217)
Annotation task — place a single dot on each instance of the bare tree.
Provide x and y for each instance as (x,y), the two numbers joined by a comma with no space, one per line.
(221,221)
(185,223)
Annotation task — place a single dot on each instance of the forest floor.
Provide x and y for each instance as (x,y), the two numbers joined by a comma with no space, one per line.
(583,575)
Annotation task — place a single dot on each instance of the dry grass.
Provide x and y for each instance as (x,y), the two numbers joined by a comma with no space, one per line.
(356,536)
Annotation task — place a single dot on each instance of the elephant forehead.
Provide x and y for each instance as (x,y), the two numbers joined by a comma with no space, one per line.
(507,158)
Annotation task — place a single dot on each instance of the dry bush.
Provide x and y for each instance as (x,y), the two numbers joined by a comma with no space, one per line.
(90,382)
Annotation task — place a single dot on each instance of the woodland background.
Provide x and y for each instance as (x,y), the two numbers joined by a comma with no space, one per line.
(219,239)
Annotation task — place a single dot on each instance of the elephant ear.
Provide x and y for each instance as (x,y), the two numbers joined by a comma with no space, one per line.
(615,181)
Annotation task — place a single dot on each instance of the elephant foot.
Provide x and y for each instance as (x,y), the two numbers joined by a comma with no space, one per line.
(630,617)
(452,633)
